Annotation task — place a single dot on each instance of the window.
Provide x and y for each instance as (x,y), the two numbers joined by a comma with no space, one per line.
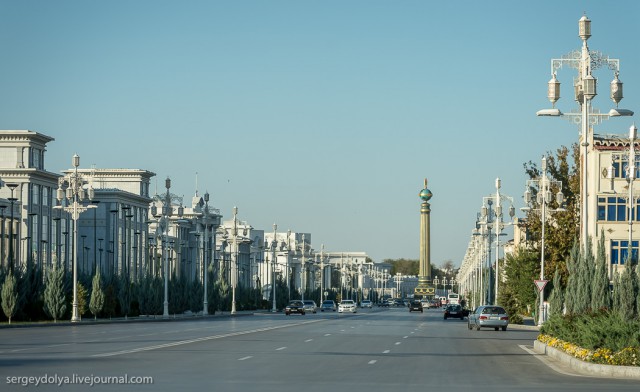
(620,165)
(614,209)
(620,251)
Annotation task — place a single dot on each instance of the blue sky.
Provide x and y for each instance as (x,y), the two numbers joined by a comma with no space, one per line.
(320,116)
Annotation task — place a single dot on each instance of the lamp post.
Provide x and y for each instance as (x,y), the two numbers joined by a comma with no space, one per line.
(585,61)
(274,244)
(12,200)
(163,223)
(493,219)
(544,196)
(74,194)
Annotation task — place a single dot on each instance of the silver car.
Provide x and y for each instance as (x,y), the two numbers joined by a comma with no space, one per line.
(488,316)
(347,305)
(310,306)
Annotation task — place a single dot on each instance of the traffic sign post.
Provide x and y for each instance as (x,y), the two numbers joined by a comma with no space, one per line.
(540,284)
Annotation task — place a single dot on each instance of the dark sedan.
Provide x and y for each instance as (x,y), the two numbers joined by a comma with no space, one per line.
(415,305)
(454,311)
(294,307)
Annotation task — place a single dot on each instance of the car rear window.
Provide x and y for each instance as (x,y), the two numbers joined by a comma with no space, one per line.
(493,310)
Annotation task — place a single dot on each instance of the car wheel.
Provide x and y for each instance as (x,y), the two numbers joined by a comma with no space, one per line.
(477,327)
(303,313)
(461,317)
(496,328)
(469,326)
(314,312)
(421,311)
(504,328)
(445,317)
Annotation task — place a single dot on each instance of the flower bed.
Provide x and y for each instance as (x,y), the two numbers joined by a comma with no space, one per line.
(629,356)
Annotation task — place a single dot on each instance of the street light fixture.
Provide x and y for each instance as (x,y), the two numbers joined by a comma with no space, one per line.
(585,61)
(544,196)
(74,195)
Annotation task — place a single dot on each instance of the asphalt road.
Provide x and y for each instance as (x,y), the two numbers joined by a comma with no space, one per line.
(372,350)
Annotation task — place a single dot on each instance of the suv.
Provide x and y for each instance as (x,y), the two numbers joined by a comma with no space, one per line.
(453,311)
(366,304)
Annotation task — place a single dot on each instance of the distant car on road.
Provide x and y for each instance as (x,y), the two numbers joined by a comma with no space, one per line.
(328,305)
(384,304)
(347,305)
(294,307)
(488,316)
(415,305)
(310,306)
(453,311)
(366,304)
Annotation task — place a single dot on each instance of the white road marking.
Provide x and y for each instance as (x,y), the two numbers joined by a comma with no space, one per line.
(308,340)
(245,358)
(280,349)
(404,337)
(202,339)
(327,334)
(386,351)
(398,343)
(372,362)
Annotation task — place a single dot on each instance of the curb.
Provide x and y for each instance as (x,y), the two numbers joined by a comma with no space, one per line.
(587,368)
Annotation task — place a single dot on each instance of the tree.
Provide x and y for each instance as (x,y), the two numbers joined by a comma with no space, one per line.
(600,296)
(562,228)
(82,299)
(97,295)
(55,301)
(585,268)
(556,299)
(9,296)
(626,292)
(518,292)
(124,294)
(572,281)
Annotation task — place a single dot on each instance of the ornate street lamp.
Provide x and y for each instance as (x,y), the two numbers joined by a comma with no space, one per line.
(585,61)
(74,195)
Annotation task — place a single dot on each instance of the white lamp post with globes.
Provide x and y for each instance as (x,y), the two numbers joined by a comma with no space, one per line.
(585,61)
(74,195)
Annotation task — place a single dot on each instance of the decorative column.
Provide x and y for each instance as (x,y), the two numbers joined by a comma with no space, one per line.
(424,287)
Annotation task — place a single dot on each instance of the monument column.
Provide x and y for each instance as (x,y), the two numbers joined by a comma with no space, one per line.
(424,287)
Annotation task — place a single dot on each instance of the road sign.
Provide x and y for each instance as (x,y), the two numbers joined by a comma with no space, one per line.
(540,284)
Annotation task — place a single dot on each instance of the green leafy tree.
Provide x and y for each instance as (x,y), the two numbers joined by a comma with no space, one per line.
(600,296)
(224,302)
(9,296)
(97,295)
(403,266)
(55,301)
(518,292)
(562,228)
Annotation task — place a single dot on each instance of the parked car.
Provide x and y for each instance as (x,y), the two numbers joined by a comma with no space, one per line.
(453,311)
(415,305)
(366,304)
(347,305)
(328,305)
(384,304)
(294,307)
(488,316)
(310,306)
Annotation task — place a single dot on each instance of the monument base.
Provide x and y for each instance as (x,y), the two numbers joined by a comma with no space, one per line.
(424,292)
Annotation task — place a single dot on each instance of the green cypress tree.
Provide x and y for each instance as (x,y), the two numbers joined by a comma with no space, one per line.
(583,289)
(97,295)
(615,300)
(627,306)
(124,294)
(556,300)
(572,281)
(55,301)
(9,296)
(600,295)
